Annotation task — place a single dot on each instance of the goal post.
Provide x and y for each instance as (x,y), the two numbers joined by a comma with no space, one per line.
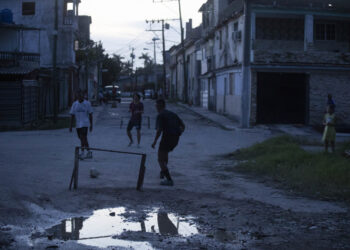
(75,174)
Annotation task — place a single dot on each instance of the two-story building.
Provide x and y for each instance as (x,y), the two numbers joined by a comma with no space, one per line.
(57,22)
(275,61)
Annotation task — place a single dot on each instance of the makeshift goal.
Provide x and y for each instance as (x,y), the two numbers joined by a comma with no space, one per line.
(75,173)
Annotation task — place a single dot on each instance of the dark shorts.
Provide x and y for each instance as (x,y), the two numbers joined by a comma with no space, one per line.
(82,132)
(168,142)
(134,123)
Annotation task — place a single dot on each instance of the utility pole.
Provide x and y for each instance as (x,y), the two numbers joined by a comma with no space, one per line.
(164,26)
(185,90)
(54,65)
(154,39)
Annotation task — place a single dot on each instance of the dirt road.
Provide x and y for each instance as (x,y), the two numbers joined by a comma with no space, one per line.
(207,208)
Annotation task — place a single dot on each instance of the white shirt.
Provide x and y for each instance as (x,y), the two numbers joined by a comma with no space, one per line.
(81,112)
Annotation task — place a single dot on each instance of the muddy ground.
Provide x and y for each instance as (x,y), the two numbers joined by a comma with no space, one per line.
(208,208)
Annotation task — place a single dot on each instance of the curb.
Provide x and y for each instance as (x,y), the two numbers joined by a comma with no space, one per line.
(228,128)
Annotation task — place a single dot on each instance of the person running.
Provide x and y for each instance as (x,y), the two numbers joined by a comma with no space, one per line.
(136,110)
(170,126)
(82,112)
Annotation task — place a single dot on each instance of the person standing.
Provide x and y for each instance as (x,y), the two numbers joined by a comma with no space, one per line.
(170,126)
(82,112)
(136,110)
(329,132)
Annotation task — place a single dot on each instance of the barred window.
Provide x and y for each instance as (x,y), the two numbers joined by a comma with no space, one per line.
(325,31)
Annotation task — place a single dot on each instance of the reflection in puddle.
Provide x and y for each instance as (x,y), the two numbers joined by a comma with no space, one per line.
(103,228)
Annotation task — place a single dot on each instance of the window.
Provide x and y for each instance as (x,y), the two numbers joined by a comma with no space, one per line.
(232,84)
(235,26)
(325,31)
(28,8)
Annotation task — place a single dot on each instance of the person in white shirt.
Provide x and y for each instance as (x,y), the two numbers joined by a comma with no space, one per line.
(82,112)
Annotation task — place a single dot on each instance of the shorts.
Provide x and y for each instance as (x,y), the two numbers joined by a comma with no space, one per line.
(168,142)
(82,132)
(134,123)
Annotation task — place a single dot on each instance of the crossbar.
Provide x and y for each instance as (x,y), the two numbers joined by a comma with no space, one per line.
(75,173)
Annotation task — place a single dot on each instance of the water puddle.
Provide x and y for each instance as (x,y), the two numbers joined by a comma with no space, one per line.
(112,227)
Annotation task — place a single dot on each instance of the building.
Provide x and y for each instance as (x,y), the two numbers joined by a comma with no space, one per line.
(57,27)
(265,61)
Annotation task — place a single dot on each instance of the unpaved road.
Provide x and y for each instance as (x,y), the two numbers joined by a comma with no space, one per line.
(207,208)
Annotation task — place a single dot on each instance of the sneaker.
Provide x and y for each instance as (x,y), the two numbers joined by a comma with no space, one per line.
(88,155)
(167,183)
(138,146)
(161,175)
(82,156)
(130,143)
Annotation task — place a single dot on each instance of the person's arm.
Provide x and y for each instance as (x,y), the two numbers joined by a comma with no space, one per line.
(182,125)
(159,132)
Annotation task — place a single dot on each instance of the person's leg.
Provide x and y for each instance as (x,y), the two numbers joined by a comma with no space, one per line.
(138,136)
(326,146)
(333,146)
(162,160)
(128,132)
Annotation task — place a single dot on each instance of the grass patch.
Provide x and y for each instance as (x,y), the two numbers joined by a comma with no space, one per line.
(284,160)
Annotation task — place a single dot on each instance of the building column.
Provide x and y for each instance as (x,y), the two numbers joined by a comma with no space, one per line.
(253,35)
(309,32)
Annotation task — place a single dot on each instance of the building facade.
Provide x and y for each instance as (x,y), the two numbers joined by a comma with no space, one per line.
(276,61)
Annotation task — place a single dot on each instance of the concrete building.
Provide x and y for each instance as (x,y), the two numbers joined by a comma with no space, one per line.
(265,61)
(56,47)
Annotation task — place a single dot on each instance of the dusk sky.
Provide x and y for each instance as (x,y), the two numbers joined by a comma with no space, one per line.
(120,24)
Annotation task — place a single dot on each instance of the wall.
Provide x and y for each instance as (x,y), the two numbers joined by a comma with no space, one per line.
(337,84)
(231,51)
(44,19)
(226,102)
(11,42)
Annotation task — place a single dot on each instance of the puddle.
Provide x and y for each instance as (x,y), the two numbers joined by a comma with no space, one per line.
(110,227)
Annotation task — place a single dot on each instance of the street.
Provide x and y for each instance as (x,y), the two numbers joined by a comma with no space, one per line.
(207,208)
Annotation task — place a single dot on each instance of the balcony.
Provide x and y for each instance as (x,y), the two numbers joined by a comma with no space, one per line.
(15,59)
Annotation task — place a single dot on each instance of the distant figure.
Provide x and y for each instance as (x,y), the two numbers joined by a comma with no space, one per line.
(330,101)
(100,97)
(82,112)
(170,126)
(136,110)
(329,133)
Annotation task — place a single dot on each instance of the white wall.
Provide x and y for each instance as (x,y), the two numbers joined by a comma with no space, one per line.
(44,19)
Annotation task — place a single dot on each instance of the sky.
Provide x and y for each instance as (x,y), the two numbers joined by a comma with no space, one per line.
(121,24)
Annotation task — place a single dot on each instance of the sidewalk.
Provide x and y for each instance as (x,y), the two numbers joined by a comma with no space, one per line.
(220,120)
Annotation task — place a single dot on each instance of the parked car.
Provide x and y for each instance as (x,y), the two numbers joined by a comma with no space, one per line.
(149,93)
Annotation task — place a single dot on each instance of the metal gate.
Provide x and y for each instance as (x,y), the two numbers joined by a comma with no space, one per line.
(10,103)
